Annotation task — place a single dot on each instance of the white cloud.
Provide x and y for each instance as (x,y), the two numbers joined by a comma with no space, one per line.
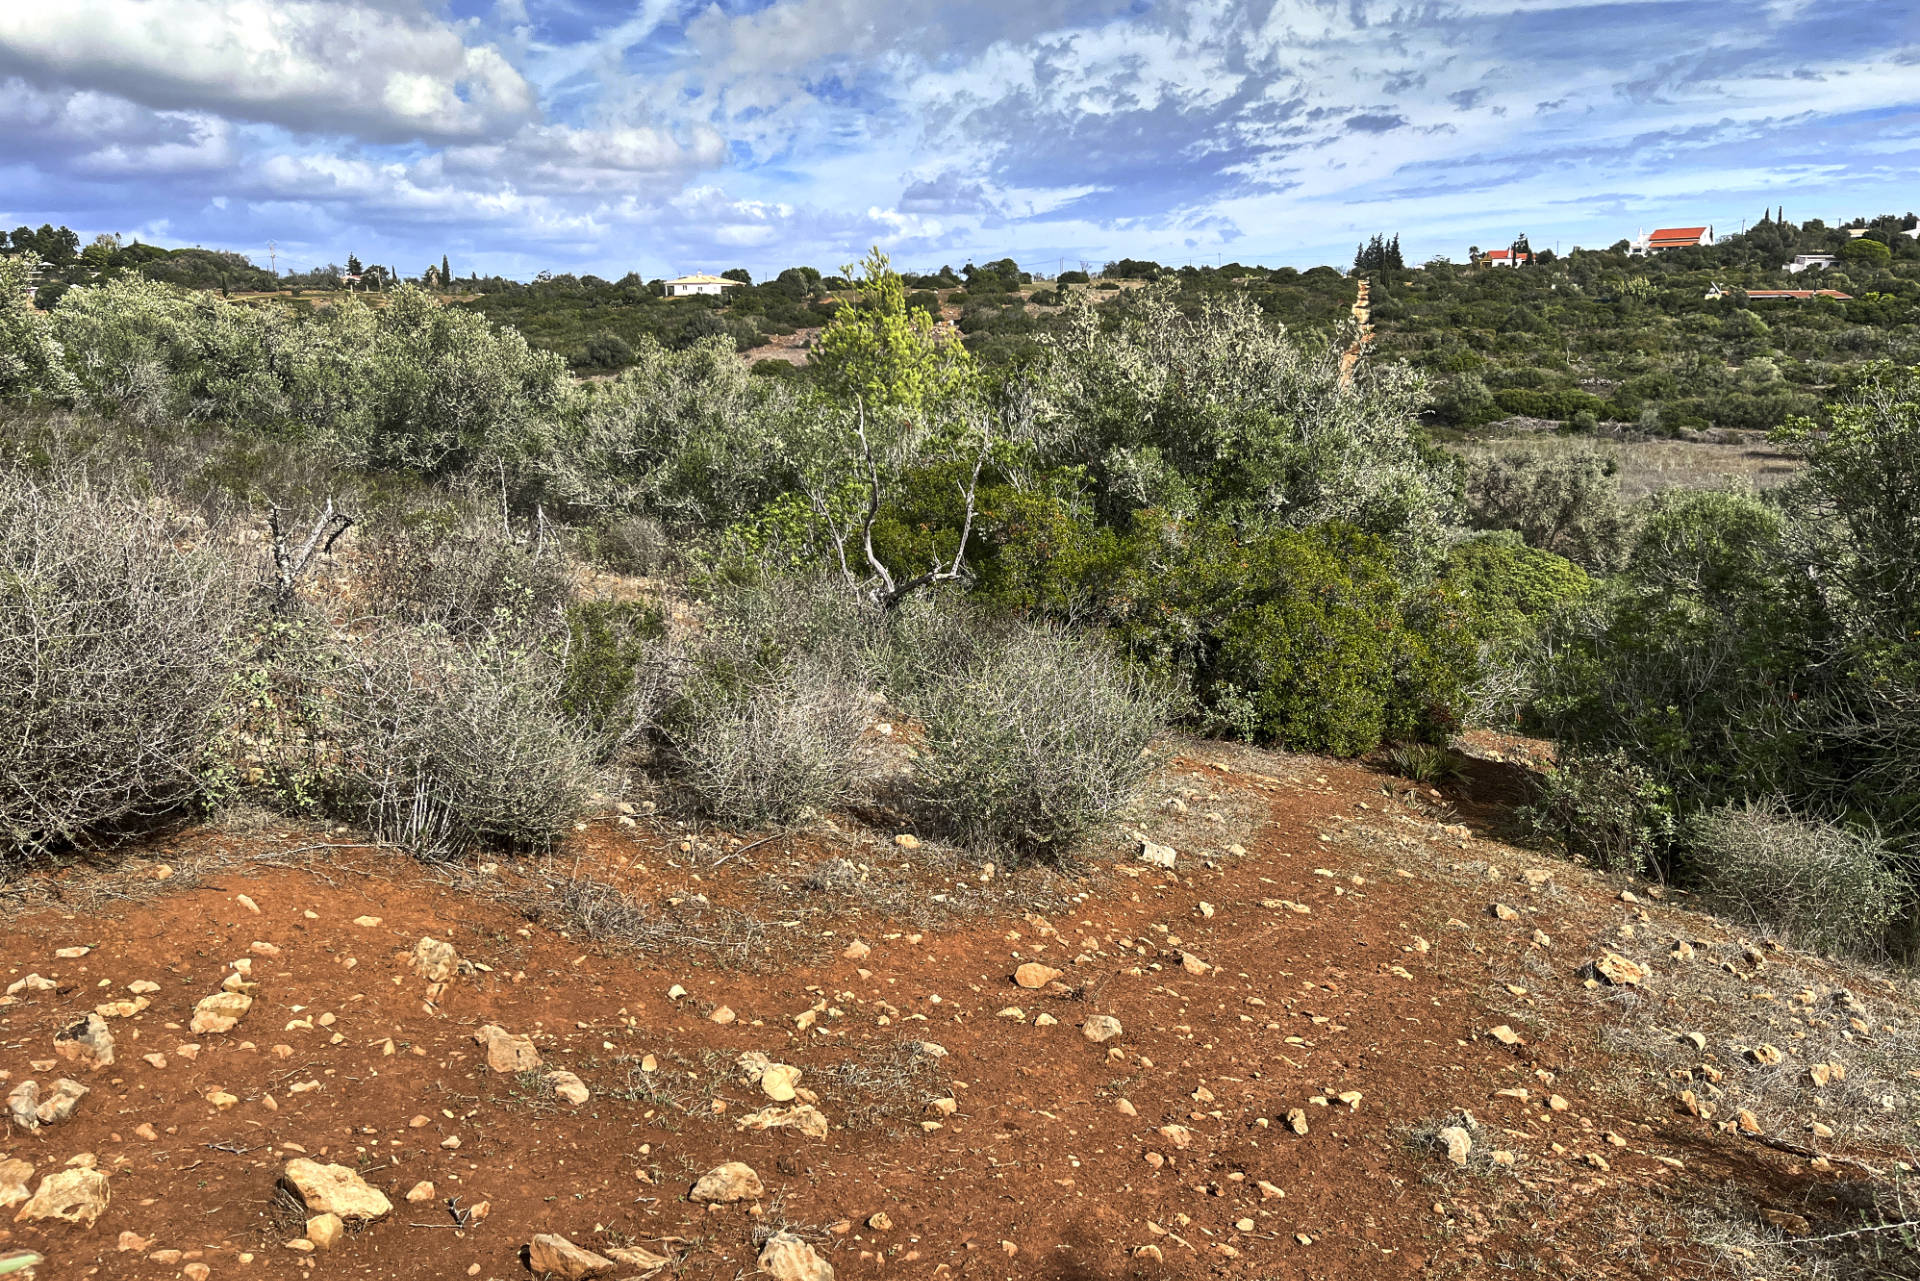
(385,73)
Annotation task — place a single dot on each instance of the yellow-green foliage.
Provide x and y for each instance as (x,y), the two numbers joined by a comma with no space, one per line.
(886,354)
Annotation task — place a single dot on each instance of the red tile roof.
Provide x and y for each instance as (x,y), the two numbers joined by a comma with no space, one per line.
(1677,235)
(1504,253)
(1799,293)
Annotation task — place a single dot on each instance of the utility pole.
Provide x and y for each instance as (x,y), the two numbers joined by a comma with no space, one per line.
(273,258)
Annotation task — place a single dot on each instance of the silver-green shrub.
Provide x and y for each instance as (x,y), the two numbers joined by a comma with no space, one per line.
(1033,737)
(117,622)
(1825,886)
(444,746)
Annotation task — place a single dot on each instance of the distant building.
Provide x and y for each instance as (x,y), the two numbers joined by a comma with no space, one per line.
(1670,238)
(1502,258)
(687,286)
(1796,294)
(1802,262)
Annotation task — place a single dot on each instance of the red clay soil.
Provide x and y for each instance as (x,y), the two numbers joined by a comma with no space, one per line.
(1354,984)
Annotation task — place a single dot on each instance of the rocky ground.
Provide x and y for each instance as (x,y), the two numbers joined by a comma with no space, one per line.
(1301,1019)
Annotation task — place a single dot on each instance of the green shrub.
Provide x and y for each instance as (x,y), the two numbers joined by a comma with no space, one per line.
(1302,637)
(1033,737)
(616,679)
(445,745)
(1821,884)
(1605,810)
(117,628)
(1568,504)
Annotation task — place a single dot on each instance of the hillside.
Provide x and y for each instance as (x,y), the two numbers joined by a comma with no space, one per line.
(1338,966)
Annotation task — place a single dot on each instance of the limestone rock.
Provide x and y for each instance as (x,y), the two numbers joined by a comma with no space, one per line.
(1100,1027)
(420,1193)
(334,1189)
(436,961)
(780,1081)
(857,951)
(1158,855)
(507,1052)
(568,1087)
(557,1256)
(13,1182)
(324,1231)
(733,1181)
(75,1195)
(804,1117)
(219,1012)
(1034,975)
(644,1261)
(1619,971)
(88,1042)
(786,1257)
(1459,1143)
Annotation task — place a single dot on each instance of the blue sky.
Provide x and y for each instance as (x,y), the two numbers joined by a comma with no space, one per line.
(666,136)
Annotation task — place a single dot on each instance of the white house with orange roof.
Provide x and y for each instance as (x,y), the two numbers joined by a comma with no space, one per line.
(1670,238)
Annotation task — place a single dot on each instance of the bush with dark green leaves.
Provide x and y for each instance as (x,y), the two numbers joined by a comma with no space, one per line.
(1606,810)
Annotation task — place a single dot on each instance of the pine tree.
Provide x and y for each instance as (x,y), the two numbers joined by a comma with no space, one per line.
(446,275)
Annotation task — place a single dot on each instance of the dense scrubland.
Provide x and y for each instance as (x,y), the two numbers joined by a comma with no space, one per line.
(339,561)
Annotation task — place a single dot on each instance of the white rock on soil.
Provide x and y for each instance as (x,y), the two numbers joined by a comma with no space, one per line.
(727,1183)
(334,1189)
(88,1042)
(1100,1027)
(551,1255)
(77,1196)
(786,1257)
(219,1012)
(507,1052)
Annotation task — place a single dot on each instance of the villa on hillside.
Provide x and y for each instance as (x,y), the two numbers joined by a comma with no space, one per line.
(1776,295)
(1671,238)
(1502,258)
(1802,262)
(699,283)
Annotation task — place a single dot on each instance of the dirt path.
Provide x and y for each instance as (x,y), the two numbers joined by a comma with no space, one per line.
(1347,968)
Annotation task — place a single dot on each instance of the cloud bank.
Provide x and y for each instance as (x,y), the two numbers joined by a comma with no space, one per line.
(660,136)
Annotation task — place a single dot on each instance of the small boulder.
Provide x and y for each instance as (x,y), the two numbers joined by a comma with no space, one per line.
(1100,1027)
(420,1193)
(786,1257)
(324,1231)
(1034,975)
(507,1052)
(780,1082)
(804,1117)
(1619,971)
(334,1189)
(1459,1143)
(568,1088)
(76,1195)
(219,1012)
(14,1174)
(1158,855)
(728,1183)
(88,1042)
(436,961)
(548,1254)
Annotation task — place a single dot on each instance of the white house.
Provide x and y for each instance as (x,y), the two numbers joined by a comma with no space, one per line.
(698,283)
(1670,238)
(1503,258)
(1801,262)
